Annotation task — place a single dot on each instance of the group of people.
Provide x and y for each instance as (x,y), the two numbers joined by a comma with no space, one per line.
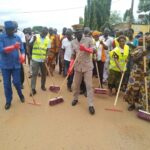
(81,55)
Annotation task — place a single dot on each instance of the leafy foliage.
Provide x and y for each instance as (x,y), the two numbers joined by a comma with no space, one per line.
(144,5)
(115,18)
(97,13)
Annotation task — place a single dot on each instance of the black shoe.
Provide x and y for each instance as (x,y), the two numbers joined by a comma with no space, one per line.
(131,107)
(30,76)
(22,87)
(7,106)
(85,94)
(33,92)
(69,88)
(22,99)
(43,88)
(74,102)
(91,110)
(81,92)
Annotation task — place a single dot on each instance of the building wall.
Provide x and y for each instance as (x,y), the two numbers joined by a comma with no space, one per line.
(138,28)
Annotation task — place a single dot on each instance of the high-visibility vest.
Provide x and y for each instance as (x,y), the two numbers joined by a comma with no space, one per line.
(122,58)
(40,48)
(103,55)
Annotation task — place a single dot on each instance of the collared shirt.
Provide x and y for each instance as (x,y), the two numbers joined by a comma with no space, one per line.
(84,60)
(10,60)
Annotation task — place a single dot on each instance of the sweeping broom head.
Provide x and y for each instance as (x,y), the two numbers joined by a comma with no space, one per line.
(100,91)
(54,89)
(55,101)
(143,115)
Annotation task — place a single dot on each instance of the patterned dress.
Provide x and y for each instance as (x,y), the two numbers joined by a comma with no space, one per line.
(135,92)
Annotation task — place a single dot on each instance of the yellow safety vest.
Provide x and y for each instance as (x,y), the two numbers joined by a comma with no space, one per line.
(40,48)
(122,58)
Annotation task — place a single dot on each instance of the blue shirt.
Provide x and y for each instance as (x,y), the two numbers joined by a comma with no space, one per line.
(10,60)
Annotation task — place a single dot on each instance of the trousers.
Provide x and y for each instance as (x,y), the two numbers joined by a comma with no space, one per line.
(88,82)
(35,70)
(15,75)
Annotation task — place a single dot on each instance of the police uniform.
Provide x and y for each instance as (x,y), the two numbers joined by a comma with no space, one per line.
(10,64)
(83,68)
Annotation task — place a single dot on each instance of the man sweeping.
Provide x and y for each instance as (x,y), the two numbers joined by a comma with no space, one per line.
(41,44)
(10,45)
(82,50)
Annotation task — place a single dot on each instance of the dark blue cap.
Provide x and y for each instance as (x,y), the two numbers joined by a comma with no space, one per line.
(9,25)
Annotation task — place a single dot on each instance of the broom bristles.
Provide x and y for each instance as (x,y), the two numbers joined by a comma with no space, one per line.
(143,115)
(100,91)
(54,88)
(55,101)
(113,109)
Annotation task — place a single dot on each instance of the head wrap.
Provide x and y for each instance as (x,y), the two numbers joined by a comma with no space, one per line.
(96,33)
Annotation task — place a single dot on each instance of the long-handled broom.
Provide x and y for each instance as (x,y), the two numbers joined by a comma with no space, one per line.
(99,90)
(144,114)
(53,88)
(59,99)
(33,100)
(116,99)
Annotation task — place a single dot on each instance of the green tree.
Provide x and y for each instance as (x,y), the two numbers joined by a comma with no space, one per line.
(37,29)
(126,16)
(93,18)
(115,18)
(97,13)
(144,5)
(81,21)
(86,16)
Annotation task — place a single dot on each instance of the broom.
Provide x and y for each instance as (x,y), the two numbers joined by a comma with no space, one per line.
(99,90)
(116,99)
(59,99)
(144,114)
(53,87)
(33,100)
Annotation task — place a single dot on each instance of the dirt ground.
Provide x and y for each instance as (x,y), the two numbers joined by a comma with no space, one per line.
(63,127)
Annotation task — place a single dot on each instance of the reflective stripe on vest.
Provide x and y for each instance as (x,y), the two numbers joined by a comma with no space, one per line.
(40,48)
(122,58)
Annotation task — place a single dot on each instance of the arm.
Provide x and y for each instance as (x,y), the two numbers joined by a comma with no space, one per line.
(104,45)
(115,56)
(118,65)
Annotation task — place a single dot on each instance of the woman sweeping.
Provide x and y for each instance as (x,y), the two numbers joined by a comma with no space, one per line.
(135,92)
(118,60)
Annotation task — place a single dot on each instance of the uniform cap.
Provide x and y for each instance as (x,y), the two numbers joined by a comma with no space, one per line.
(9,25)
(77,28)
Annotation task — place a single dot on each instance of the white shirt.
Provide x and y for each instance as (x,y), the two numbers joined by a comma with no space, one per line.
(66,44)
(108,42)
(99,50)
(21,35)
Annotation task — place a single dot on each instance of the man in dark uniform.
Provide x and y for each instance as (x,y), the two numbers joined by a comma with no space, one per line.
(12,55)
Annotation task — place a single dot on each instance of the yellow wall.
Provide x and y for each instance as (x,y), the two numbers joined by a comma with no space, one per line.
(138,28)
